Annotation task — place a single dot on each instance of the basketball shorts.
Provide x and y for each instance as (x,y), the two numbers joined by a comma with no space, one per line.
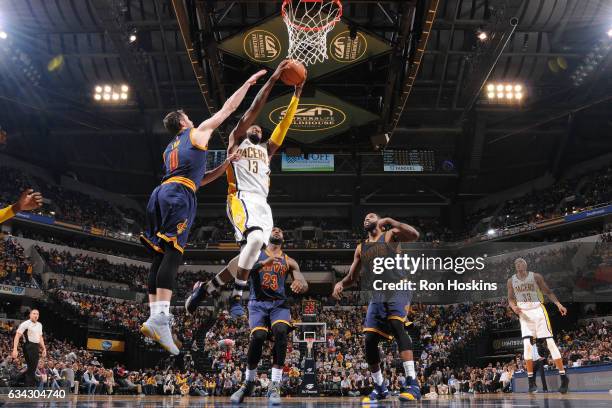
(263,314)
(538,326)
(380,313)
(247,212)
(169,217)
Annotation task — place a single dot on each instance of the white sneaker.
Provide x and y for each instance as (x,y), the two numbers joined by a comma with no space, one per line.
(157,328)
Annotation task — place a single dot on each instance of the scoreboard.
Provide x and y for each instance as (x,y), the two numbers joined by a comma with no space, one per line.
(309,307)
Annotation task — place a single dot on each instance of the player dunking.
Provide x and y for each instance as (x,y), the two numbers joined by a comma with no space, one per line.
(386,314)
(525,298)
(269,311)
(172,208)
(247,200)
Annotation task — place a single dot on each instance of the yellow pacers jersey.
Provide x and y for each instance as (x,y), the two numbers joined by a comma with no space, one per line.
(252,172)
(526,292)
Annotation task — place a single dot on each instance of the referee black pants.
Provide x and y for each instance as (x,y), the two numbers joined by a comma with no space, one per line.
(30,352)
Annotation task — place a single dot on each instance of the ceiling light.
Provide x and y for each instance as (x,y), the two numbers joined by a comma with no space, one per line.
(124,88)
(107,97)
(491,95)
(97,97)
(115,96)
(490,87)
(133,38)
(98,89)
(124,96)
(107,88)
(3,35)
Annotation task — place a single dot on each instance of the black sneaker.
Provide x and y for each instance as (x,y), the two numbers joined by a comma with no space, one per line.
(533,388)
(198,294)
(564,384)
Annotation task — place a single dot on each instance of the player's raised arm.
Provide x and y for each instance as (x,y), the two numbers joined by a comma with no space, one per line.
(29,200)
(549,293)
(278,136)
(351,276)
(231,104)
(251,114)
(299,284)
(400,231)
(218,171)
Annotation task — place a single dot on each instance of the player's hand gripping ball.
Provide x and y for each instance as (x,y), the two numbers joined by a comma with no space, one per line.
(294,73)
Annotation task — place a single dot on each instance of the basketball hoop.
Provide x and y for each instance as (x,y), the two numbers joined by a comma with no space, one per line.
(308,23)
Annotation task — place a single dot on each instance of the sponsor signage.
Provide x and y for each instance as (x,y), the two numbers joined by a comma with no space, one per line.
(35,217)
(315,162)
(316,118)
(12,290)
(507,344)
(105,345)
(596,212)
(268,43)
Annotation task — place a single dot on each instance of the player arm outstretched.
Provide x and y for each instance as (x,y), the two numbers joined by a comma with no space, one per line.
(204,131)
(29,200)
(549,293)
(218,171)
(299,284)
(279,133)
(399,231)
(251,114)
(351,276)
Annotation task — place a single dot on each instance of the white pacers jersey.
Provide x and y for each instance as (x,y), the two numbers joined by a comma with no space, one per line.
(526,292)
(251,173)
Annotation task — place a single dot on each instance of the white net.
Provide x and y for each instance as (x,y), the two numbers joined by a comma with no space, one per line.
(308,23)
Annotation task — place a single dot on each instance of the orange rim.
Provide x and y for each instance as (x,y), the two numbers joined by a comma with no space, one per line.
(303,28)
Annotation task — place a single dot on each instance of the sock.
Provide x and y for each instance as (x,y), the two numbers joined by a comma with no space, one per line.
(562,373)
(409,369)
(239,286)
(378,378)
(251,375)
(163,307)
(277,375)
(213,285)
(154,306)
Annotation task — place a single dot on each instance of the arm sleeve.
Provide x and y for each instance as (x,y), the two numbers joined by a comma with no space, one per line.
(22,327)
(281,129)
(6,213)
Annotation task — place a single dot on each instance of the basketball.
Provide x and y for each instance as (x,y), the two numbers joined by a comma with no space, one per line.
(294,74)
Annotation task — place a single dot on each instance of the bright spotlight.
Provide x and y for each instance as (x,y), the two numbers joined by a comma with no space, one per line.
(500,87)
(107,88)
(609,33)
(519,96)
(490,87)
(115,96)
(508,88)
(97,97)
(491,232)
(482,36)
(491,95)
(107,97)
(124,96)
(509,96)
(3,35)
(518,88)
(500,95)
(124,88)
(133,38)
(98,89)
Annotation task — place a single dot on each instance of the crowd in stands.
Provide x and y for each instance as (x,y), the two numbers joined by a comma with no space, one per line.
(15,267)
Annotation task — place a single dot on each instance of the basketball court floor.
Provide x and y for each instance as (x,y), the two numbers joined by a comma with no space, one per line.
(552,400)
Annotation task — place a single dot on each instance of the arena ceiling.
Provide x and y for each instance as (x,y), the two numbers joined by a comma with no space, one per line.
(53,121)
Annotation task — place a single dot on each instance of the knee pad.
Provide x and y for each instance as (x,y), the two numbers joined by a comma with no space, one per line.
(166,274)
(527,349)
(371,348)
(259,336)
(250,251)
(552,347)
(403,339)
(280,331)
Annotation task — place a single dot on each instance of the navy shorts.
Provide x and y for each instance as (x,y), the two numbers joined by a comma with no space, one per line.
(263,314)
(380,313)
(170,214)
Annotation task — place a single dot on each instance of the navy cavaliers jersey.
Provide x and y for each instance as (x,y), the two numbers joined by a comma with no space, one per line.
(268,282)
(185,161)
(380,249)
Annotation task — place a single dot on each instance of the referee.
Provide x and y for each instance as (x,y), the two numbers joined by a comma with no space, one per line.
(31,330)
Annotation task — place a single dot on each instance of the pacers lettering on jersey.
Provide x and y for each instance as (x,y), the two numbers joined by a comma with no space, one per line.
(525,287)
(253,153)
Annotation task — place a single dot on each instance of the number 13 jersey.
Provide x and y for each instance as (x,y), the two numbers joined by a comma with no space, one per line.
(250,174)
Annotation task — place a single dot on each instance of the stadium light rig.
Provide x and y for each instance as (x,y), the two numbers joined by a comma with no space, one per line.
(3,35)
(505,93)
(111,94)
